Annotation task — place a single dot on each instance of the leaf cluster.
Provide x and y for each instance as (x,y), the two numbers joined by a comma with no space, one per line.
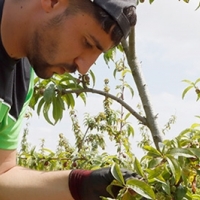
(52,96)
(171,173)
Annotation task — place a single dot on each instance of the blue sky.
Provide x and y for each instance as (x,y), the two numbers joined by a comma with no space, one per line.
(168,47)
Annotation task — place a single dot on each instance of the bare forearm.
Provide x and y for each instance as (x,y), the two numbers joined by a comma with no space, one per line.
(21,184)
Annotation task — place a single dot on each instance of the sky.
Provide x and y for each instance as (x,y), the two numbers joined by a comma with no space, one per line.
(168,48)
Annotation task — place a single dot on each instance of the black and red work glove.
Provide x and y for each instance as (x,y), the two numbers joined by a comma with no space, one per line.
(91,185)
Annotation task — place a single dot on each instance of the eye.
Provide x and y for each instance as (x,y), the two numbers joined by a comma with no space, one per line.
(87,44)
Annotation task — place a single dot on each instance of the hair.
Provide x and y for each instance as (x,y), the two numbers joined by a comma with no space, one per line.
(108,24)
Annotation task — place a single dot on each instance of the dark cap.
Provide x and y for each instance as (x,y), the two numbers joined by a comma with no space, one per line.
(115,9)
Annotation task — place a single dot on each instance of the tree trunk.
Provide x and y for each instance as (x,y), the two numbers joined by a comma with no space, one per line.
(142,88)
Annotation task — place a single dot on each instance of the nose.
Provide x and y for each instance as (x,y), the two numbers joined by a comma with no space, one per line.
(84,63)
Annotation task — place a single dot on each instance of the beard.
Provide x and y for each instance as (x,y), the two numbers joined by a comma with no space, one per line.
(42,53)
(44,70)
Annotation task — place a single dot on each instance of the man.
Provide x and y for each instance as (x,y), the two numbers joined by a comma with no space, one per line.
(55,36)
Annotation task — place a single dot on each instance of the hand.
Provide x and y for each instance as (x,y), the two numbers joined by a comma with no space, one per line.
(91,185)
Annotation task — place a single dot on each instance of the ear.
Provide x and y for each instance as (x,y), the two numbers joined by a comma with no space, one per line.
(49,5)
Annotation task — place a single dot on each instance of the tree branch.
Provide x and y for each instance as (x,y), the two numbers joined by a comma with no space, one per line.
(142,88)
(124,104)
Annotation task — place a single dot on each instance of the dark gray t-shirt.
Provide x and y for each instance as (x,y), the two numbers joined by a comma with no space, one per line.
(15,77)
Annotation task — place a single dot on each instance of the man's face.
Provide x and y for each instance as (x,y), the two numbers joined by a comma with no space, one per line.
(72,44)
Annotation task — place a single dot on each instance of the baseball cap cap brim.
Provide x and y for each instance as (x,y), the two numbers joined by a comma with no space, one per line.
(115,9)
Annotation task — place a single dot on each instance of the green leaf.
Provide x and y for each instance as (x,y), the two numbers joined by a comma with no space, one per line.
(58,107)
(130,130)
(198,80)
(138,167)
(125,71)
(109,55)
(46,113)
(141,188)
(130,88)
(152,151)
(165,184)
(93,77)
(175,167)
(61,102)
(181,152)
(40,104)
(71,86)
(67,79)
(187,81)
(110,187)
(36,79)
(69,99)
(195,152)
(184,133)
(127,116)
(155,162)
(116,172)
(195,125)
(36,96)
(180,192)
(49,151)
(186,90)
(155,172)
(127,196)
(83,97)
(120,47)
(49,93)
(196,196)
(115,72)
(198,6)
(166,188)
(198,96)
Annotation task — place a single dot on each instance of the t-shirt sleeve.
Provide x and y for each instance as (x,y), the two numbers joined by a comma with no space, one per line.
(9,127)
